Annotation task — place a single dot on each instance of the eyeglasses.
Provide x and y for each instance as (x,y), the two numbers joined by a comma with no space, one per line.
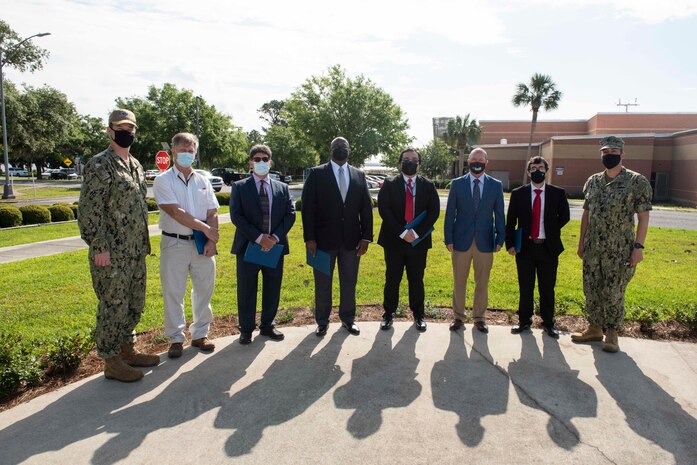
(258,159)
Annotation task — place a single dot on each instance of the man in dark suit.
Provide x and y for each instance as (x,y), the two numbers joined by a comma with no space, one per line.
(337,215)
(539,210)
(262,210)
(403,198)
(475,228)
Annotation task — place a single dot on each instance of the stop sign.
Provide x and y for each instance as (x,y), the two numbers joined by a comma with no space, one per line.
(162,160)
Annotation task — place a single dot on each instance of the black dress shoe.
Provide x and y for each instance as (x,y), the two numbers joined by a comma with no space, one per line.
(321,330)
(351,328)
(517,329)
(272,333)
(420,324)
(386,322)
(481,326)
(551,331)
(456,324)
(245,338)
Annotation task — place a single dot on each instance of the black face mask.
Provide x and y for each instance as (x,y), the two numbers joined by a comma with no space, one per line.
(123,138)
(610,160)
(537,176)
(476,167)
(340,154)
(409,167)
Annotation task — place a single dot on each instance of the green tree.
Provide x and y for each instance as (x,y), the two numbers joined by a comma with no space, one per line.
(461,134)
(435,159)
(291,152)
(165,111)
(333,104)
(90,138)
(271,113)
(540,92)
(254,137)
(27,56)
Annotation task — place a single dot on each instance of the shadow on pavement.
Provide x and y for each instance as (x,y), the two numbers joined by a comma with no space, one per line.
(288,388)
(547,383)
(650,411)
(383,378)
(472,387)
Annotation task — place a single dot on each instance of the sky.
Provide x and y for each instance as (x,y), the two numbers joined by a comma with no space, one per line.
(435,58)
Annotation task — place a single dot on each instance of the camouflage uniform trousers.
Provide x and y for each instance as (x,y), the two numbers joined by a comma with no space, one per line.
(120,289)
(606,274)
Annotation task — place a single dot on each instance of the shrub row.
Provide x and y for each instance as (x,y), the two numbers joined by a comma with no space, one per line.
(11,216)
(25,364)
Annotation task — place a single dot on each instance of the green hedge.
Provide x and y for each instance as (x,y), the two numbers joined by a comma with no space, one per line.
(223,198)
(35,214)
(152,205)
(10,216)
(298,205)
(61,213)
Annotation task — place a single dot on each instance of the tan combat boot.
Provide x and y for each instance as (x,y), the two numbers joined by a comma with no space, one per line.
(611,344)
(115,368)
(136,359)
(593,333)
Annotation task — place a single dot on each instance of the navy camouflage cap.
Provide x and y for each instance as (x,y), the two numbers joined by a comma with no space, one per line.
(611,142)
(121,116)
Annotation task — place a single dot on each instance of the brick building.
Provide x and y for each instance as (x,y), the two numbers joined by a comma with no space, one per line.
(661,146)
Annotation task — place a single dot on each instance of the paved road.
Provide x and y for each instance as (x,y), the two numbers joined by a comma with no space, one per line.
(384,397)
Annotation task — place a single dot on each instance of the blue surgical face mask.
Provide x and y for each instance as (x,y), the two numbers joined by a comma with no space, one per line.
(261,168)
(185,159)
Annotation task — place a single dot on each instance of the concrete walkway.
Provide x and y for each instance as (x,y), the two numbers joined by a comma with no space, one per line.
(68,244)
(390,397)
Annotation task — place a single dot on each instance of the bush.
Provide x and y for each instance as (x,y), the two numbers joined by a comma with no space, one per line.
(374,202)
(10,216)
(35,214)
(18,367)
(66,352)
(298,205)
(74,208)
(152,205)
(223,198)
(61,213)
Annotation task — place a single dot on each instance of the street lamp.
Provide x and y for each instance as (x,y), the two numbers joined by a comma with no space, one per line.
(8,192)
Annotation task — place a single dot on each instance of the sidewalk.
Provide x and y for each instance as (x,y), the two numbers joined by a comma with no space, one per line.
(68,244)
(390,397)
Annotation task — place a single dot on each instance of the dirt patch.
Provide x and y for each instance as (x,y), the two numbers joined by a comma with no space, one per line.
(155,342)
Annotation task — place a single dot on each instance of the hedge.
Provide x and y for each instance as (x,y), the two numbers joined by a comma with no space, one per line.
(223,198)
(61,213)
(152,205)
(35,214)
(10,216)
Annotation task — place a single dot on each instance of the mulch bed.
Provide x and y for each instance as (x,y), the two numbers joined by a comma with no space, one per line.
(154,342)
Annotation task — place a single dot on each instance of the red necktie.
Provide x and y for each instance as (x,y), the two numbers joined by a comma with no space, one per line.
(536,210)
(409,204)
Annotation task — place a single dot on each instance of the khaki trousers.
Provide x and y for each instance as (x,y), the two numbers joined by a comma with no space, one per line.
(461,270)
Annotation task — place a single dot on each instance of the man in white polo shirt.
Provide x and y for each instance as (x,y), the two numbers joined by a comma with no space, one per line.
(187,203)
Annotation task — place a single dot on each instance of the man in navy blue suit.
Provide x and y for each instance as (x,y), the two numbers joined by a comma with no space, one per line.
(262,210)
(475,228)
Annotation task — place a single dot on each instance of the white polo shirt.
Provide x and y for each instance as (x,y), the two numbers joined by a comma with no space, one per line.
(194,195)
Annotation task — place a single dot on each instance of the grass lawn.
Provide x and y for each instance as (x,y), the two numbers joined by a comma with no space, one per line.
(53,295)
(46,232)
(26,192)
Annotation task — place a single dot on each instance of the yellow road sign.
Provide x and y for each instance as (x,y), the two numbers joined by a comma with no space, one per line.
(67,162)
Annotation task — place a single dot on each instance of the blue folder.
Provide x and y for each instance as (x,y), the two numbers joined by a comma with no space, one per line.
(256,255)
(320,261)
(200,240)
(414,223)
(416,241)
(518,240)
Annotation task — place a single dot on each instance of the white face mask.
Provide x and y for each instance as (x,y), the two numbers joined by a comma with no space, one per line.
(261,168)
(185,159)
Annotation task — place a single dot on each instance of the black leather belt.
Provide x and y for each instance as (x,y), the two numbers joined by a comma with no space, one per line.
(179,236)
(537,241)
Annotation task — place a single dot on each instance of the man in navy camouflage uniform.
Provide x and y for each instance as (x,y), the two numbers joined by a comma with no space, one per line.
(608,244)
(113,221)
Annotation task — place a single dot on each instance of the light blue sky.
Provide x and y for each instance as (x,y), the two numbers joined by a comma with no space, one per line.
(436,58)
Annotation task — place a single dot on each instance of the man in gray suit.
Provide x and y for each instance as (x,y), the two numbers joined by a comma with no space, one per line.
(475,228)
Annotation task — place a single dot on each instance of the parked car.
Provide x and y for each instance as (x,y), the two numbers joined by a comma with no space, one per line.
(18,172)
(64,173)
(151,174)
(228,174)
(216,181)
(46,174)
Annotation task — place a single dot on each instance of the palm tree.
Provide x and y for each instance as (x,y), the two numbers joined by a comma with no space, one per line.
(541,92)
(461,134)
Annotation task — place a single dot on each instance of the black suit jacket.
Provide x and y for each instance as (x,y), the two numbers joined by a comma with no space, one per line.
(556,215)
(391,204)
(245,213)
(328,220)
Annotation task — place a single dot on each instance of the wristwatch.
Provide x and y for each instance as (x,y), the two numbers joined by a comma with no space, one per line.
(638,245)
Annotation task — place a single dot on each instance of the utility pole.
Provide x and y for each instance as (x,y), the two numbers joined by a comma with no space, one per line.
(627,105)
